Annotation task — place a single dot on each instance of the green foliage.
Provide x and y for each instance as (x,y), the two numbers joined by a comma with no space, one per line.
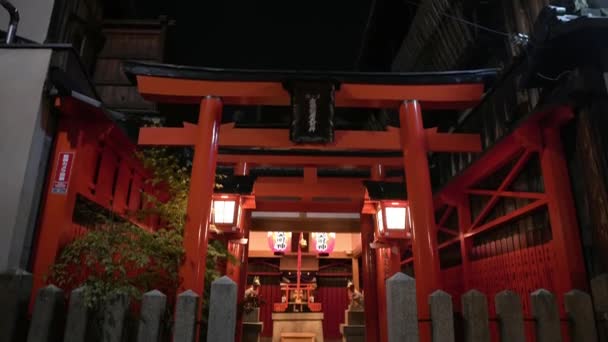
(117,256)
(120,257)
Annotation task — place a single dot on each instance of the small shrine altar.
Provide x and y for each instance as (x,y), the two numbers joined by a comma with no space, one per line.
(297,314)
(286,325)
(298,317)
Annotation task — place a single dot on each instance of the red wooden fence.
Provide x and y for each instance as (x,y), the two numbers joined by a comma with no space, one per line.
(94,161)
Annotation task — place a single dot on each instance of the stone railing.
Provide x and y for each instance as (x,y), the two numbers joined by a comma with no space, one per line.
(587,318)
(52,321)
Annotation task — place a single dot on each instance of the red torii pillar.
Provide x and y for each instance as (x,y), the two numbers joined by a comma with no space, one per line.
(240,270)
(201,191)
(420,198)
(370,274)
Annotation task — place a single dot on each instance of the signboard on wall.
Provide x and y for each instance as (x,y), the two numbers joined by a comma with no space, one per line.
(63,170)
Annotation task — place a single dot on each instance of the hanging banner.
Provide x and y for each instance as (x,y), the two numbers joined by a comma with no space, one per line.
(279,242)
(312,116)
(61,180)
(323,243)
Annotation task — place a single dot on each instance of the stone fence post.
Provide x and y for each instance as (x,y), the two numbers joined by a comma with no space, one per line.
(510,317)
(475,313)
(442,316)
(599,290)
(186,308)
(580,311)
(78,317)
(15,289)
(222,311)
(47,322)
(152,308)
(401,309)
(546,314)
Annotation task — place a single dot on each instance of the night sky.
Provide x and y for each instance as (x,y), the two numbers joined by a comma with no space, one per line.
(274,34)
(271,34)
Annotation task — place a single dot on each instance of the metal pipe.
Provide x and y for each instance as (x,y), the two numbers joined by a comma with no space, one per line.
(14,21)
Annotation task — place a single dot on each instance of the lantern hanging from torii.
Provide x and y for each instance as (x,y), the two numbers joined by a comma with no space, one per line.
(226,212)
(392,219)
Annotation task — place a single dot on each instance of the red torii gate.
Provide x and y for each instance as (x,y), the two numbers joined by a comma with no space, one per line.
(408,92)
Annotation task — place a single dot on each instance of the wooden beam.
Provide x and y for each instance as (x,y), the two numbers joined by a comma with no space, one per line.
(231,137)
(508,217)
(286,160)
(173,90)
(279,139)
(515,194)
(330,189)
(305,225)
(452,142)
(285,205)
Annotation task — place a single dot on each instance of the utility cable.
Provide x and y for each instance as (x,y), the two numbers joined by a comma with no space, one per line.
(467,22)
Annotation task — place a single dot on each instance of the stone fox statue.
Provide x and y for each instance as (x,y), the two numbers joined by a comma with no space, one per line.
(252,299)
(355,297)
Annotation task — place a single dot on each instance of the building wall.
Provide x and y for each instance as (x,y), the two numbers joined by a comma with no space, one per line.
(35,18)
(23,146)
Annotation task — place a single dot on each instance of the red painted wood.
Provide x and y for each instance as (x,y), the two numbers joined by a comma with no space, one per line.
(269,294)
(102,153)
(420,197)
(334,301)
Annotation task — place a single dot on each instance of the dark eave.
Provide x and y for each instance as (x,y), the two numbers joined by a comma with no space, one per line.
(132,68)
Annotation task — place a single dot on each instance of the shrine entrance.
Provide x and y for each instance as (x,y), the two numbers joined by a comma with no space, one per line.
(311,99)
(397,214)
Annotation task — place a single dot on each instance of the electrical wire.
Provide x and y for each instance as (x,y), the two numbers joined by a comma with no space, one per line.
(464,21)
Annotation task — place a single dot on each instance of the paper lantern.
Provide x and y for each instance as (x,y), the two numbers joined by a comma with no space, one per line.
(393,219)
(279,242)
(226,212)
(323,243)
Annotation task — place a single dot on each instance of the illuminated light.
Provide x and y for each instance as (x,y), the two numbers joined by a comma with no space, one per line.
(323,243)
(279,242)
(380,221)
(223,212)
(393,220)
(395,217)
(224,196)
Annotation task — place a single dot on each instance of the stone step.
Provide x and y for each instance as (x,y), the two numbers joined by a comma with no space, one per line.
(355,317)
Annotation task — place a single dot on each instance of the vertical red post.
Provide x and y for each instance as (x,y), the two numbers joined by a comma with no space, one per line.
(570,270)
(382,262)
(369,279)
(199,197)
(420,197)
(58,207)
(242,283)
(242,169)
